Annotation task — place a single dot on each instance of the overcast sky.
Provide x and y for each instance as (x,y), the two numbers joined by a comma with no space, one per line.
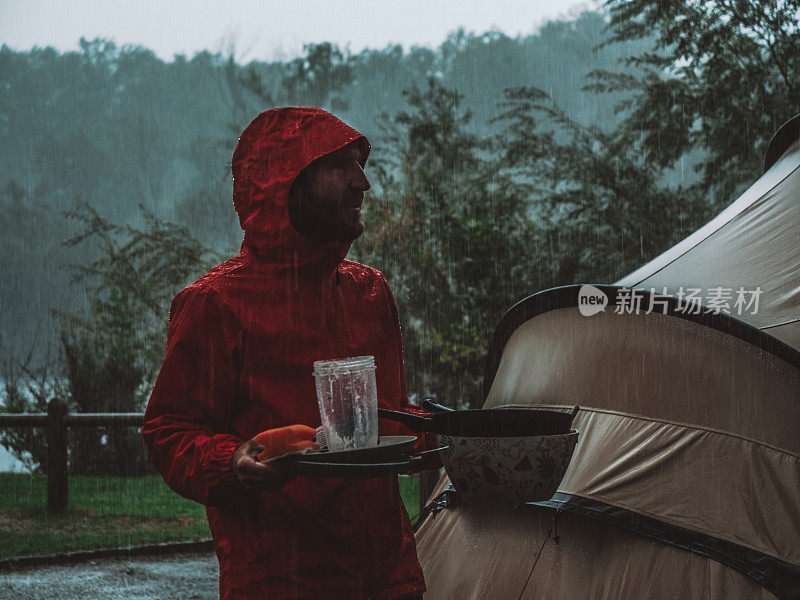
(266,29)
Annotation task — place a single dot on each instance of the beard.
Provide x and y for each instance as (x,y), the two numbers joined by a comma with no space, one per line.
(324,219)
(349,223)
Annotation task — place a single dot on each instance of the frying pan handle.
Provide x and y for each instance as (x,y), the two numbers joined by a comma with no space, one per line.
(413,422)
(433,406)
(427,452)
(422,460)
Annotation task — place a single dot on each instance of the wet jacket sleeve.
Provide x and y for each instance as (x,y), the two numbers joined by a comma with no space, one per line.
(187,422)
(426,441)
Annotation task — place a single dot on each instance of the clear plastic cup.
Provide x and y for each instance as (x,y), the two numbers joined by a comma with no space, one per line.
(348,402)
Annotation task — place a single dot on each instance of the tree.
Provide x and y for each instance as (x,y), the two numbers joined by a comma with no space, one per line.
(602,206)
(28,386)
(319,77)
(723,76)
(717,81)
(114,126)
(454,239)
(111,354)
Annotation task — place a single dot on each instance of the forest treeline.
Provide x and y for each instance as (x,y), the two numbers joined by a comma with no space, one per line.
(501,166)
(118,127)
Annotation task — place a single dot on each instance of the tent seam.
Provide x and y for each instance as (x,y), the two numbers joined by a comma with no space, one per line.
(773,585)
(712,430)
(662,519)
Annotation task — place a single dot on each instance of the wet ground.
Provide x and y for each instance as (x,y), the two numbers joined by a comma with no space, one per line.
(184,577)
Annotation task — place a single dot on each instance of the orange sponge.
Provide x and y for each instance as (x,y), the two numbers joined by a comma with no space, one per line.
(292,439)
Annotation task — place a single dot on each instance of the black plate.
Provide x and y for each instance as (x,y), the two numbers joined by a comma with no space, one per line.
(389,448)
(349,470)
(298,465)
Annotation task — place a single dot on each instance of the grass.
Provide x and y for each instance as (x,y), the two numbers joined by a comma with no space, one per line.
(409,492)
(107,512)
(104,512)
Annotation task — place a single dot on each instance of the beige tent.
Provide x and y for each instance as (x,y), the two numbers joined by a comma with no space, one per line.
(686,479)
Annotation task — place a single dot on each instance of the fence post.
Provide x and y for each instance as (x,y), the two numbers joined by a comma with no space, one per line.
(57,491)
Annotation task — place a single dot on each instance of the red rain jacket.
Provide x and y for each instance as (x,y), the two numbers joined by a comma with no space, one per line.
(240,347)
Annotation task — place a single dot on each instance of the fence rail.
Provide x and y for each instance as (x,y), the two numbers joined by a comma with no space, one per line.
(23,419)
(58,419)
(104,419)
(72,420)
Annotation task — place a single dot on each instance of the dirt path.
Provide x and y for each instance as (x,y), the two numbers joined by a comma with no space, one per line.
(187,576)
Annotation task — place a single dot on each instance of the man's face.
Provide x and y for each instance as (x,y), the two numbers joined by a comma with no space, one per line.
(325,202)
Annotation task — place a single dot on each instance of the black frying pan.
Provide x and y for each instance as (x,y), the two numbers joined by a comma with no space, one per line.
(488,422)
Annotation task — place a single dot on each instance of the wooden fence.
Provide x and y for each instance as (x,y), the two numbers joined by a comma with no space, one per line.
(58,419)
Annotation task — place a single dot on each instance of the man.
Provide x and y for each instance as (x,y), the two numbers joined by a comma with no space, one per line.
(240,348)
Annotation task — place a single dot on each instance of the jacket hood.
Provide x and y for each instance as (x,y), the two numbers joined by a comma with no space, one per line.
(271,152)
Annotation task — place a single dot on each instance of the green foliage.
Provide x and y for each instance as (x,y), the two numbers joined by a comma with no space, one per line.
(32,274)
(114,126)
(133,281)
(723,76)
(452,236)
(113,351)
(319,77)
(28,389)
(603,207)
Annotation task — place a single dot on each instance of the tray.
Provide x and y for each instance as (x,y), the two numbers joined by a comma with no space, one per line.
(306,468)
(300,465)
(389,448)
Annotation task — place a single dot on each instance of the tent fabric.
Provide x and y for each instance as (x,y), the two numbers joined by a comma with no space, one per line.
(731,489)
(778,577)
(478,553)
(686,479)
(753,244)
(656,366)
(682,423)
(710,448)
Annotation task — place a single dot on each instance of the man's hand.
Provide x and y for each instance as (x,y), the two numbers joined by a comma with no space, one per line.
(254,475)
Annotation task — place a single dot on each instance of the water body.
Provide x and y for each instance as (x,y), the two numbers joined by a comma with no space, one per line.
(9,463)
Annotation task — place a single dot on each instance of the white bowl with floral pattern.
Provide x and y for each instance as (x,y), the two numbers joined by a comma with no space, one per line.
(507,469)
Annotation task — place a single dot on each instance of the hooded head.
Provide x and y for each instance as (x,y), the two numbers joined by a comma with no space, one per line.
(271,153)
